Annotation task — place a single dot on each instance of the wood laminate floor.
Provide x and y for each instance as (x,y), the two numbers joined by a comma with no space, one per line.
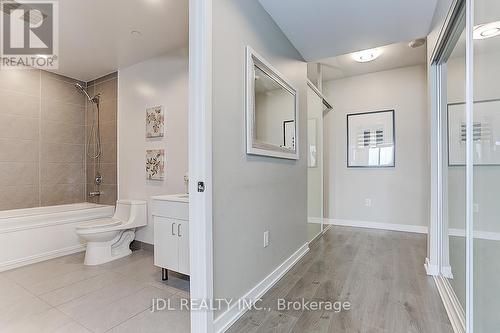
(380,273)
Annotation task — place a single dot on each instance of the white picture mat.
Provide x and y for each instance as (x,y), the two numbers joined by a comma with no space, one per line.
(486,150)
(381,155)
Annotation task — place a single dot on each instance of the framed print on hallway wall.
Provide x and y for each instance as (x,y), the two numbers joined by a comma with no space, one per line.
(371,140)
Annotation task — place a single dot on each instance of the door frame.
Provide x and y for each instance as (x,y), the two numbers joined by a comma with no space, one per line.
(200,162)
(437,263)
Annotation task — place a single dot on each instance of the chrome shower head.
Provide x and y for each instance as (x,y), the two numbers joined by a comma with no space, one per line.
(80,88)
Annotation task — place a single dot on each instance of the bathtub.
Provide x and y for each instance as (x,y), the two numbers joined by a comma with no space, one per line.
(37,234)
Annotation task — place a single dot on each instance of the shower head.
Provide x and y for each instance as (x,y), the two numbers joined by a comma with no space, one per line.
(81,89)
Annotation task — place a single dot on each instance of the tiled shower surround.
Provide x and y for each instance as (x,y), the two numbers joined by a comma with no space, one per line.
(42,140)
(107,86)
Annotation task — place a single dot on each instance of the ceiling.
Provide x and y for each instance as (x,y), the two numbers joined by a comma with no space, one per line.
(95,36)
(327,28)
(393,56)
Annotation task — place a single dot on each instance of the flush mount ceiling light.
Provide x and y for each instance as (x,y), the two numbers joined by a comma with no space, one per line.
(487,30)
(366,55)
(416,43)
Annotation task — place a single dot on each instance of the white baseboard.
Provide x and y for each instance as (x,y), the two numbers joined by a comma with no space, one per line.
(231,315)
(478,234)
(373,225)
(451,303)
(4,266)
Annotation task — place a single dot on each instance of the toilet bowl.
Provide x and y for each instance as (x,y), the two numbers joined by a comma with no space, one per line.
(109,238)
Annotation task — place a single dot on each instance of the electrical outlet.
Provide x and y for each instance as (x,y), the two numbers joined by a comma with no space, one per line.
(368,202)
(266,238)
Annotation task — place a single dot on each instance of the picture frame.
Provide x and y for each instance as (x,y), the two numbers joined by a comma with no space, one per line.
(371,139)
(289,134)
(155,122)
(312,142)
(486,133)
(155,164)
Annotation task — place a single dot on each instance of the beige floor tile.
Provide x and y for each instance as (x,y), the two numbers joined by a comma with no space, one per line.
(99,299)
(103,319)
(134,257)
(64,280)
(152,322)
(143,270)
(21,311)
(10,292)
(72,327)
(79,289)
(46,321)
(46,270)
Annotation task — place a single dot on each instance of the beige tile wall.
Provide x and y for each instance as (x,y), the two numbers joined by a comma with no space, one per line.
(43,122)
(107,86)
(19,138)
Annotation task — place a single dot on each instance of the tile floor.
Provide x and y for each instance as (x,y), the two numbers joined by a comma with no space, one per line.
(63,295)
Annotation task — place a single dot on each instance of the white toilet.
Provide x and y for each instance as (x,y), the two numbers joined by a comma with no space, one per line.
(109,238)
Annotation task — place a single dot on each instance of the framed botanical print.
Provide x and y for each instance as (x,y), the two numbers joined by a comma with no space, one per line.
(155,164)
(155,122)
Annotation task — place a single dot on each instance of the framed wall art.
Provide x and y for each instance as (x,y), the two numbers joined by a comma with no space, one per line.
(155,122)
(486,133)
(371,140)
(155,164)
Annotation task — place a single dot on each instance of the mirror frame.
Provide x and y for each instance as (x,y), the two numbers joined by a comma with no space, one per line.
(254,147)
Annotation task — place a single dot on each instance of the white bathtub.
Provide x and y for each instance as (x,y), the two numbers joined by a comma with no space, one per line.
(36,234)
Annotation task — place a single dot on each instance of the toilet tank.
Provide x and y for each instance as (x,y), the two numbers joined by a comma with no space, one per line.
(131,211)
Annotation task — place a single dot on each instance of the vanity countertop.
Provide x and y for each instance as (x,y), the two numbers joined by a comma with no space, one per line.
(180,197)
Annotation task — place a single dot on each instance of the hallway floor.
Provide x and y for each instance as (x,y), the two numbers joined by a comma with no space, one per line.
(381,274)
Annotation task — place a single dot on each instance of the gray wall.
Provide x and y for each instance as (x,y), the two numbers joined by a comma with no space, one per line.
(42,136)
(251,194)
(398,195)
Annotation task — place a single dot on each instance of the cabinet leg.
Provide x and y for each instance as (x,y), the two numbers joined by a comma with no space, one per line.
(164,274)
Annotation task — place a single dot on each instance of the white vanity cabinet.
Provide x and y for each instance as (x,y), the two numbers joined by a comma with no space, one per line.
(171,232)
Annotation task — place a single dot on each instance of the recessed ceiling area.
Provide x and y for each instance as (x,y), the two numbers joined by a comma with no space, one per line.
(391,56)
(327,28)
(98,37)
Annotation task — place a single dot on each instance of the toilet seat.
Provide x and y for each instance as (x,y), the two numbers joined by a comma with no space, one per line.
(100,223)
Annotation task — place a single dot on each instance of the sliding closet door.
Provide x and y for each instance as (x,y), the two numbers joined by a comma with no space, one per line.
(314,164)
(486,151)
(454,171)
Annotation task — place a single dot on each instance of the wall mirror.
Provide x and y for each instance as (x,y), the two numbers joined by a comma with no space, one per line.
(271,110)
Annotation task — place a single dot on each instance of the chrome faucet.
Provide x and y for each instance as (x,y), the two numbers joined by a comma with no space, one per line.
(94,194)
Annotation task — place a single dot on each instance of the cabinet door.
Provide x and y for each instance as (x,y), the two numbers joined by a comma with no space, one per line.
(184,247)
(166,243)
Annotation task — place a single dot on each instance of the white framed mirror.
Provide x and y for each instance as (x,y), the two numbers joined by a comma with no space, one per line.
(271,110)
